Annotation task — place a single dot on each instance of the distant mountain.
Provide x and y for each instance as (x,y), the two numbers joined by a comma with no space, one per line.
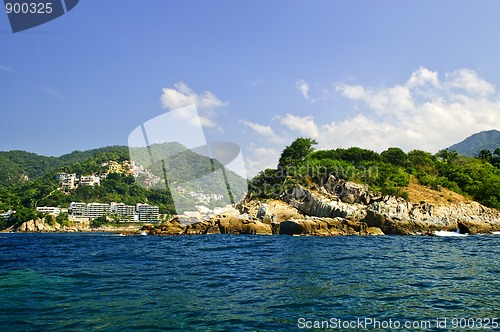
(472,145)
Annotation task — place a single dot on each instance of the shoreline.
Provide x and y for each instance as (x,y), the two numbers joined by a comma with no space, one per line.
(315,212)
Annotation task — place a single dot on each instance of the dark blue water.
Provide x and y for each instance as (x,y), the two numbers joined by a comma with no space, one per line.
(81,282)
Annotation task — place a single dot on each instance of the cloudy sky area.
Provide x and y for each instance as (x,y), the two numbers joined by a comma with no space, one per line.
(375,74)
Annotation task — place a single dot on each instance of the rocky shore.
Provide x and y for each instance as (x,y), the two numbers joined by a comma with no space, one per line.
(338,208)
(326,211)
(40,226)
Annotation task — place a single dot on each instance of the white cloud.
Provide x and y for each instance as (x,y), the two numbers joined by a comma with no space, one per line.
(265,131)
(423,113)
(260,158)
(182,95)
(468,81)
(52,92)
(256,82)
(305,126)
(384,101)
(398,116)
(423,76)
(303,87)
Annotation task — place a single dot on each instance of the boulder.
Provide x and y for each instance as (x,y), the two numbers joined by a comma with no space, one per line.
(348,191)
(262,211)
(238,225)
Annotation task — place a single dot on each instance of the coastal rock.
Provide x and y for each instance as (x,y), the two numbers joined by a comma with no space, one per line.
(34,226)
(348,191)
(314,204)
(326,227)
(396,216)
(263,209)
(239,225)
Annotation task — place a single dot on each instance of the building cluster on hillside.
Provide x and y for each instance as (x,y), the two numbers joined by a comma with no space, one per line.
(139,212)
(68,182)
(143,175)
(200,197)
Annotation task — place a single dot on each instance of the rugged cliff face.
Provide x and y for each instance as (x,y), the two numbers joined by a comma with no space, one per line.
(395,215)
(408,218)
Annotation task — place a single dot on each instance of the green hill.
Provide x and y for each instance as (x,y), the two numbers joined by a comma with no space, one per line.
(19,166)
(387,173)
(27,179)
(472,145)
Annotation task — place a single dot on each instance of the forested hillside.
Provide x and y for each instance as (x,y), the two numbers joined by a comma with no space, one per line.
(474,144)
(28,180)
(388,172)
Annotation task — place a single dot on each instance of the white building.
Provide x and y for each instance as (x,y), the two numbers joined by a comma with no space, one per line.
(96,210)
(91,210)
(147,213)
(55,211)
(6,215)
(124,211)
(140,212)
(90,180)
(77,209)
(66,181)
(63,176)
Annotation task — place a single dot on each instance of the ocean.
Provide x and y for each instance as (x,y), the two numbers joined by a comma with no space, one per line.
(105,282)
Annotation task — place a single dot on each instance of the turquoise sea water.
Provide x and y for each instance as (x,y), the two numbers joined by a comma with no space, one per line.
(82,282)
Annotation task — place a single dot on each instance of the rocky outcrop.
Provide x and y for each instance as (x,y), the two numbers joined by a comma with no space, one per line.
(231,222)
(396,216)
(315,204)
(34,226)
(347,191)
(40,226)
(327,227)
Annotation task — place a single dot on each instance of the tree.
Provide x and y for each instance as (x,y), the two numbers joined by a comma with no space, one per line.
(485,154)
(23,214)
(422,162)
(447,155)
(394,156)
(98,222)
(497,152)
(296,152)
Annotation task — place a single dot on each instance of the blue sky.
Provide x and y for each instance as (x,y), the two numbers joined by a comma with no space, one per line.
(375,74)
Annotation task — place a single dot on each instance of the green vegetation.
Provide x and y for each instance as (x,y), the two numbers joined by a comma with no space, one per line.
(28,180)
(98,222)
(24,185)
(387,173)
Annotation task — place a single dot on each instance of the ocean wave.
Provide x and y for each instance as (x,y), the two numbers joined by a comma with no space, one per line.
(448,233)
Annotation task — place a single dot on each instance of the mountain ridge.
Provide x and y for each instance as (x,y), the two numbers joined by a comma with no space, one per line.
(474,144)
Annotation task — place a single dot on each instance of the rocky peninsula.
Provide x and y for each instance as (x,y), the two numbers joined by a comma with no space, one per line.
(324,212)
(319,211)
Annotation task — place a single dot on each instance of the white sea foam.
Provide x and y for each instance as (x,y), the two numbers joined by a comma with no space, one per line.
(495,233)
(447,233)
